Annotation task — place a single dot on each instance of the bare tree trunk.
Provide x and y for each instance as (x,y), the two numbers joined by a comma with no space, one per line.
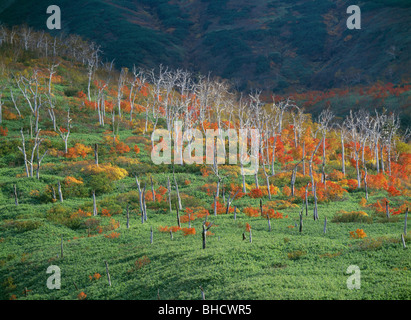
(256,181)
(16,200)
(94,204)
(315,202)
(140,196)
(342,155)
(169,193)
(204,235)
(387,210)
(96,154)
(108,274)
(178,194)
(365,181)
(178,216)
(215,204)
(60,192)
(152,189)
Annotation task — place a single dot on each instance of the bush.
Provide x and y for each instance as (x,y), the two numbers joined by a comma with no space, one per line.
(295,255)
(353,216)
(100,183)
(21,226)
(61,215)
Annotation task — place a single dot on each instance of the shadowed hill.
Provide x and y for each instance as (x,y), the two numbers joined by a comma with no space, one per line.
(275,45)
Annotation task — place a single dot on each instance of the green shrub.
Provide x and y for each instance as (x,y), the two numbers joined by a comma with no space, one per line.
(295,255)
(61,215)
(21,226)
(354,216)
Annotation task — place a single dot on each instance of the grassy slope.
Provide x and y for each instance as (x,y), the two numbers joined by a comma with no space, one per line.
(229,268)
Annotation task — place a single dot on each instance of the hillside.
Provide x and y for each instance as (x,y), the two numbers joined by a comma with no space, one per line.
(79,191)
(286,46)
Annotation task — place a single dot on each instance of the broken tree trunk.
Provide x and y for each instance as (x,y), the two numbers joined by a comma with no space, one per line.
(140,196)
(59,191)
(94,204)
(387,210)
(152,189)
(315,202)
(202,293)
(169,193)
(96,154)
(178,216)
(204,232)
(16,200)
(108,274)
(178,194)
(301,222)
(128,217)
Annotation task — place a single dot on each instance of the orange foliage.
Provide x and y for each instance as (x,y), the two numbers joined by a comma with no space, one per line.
(112,235)
(120,148)
(79,150)
(3,131)
(188,231)
(252,212)
(105,213)
(141,262)
(287,191)
(358,234)
(81,296)
(256,193)
(393,191)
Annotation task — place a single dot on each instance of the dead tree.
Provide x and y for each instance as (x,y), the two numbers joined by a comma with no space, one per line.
(96,154)
(128,217)
(315,202)
(311,165)
(94,204)
(108,274)
(16,199)
(121,82)
(204,233)
(324,120)
(59,191)
(65,133)
(365,180)
(178,193)
(30,88)
(178,216)
(29,162)
(169,193)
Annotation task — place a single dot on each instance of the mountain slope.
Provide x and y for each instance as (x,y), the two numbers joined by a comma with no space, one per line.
(275,45)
